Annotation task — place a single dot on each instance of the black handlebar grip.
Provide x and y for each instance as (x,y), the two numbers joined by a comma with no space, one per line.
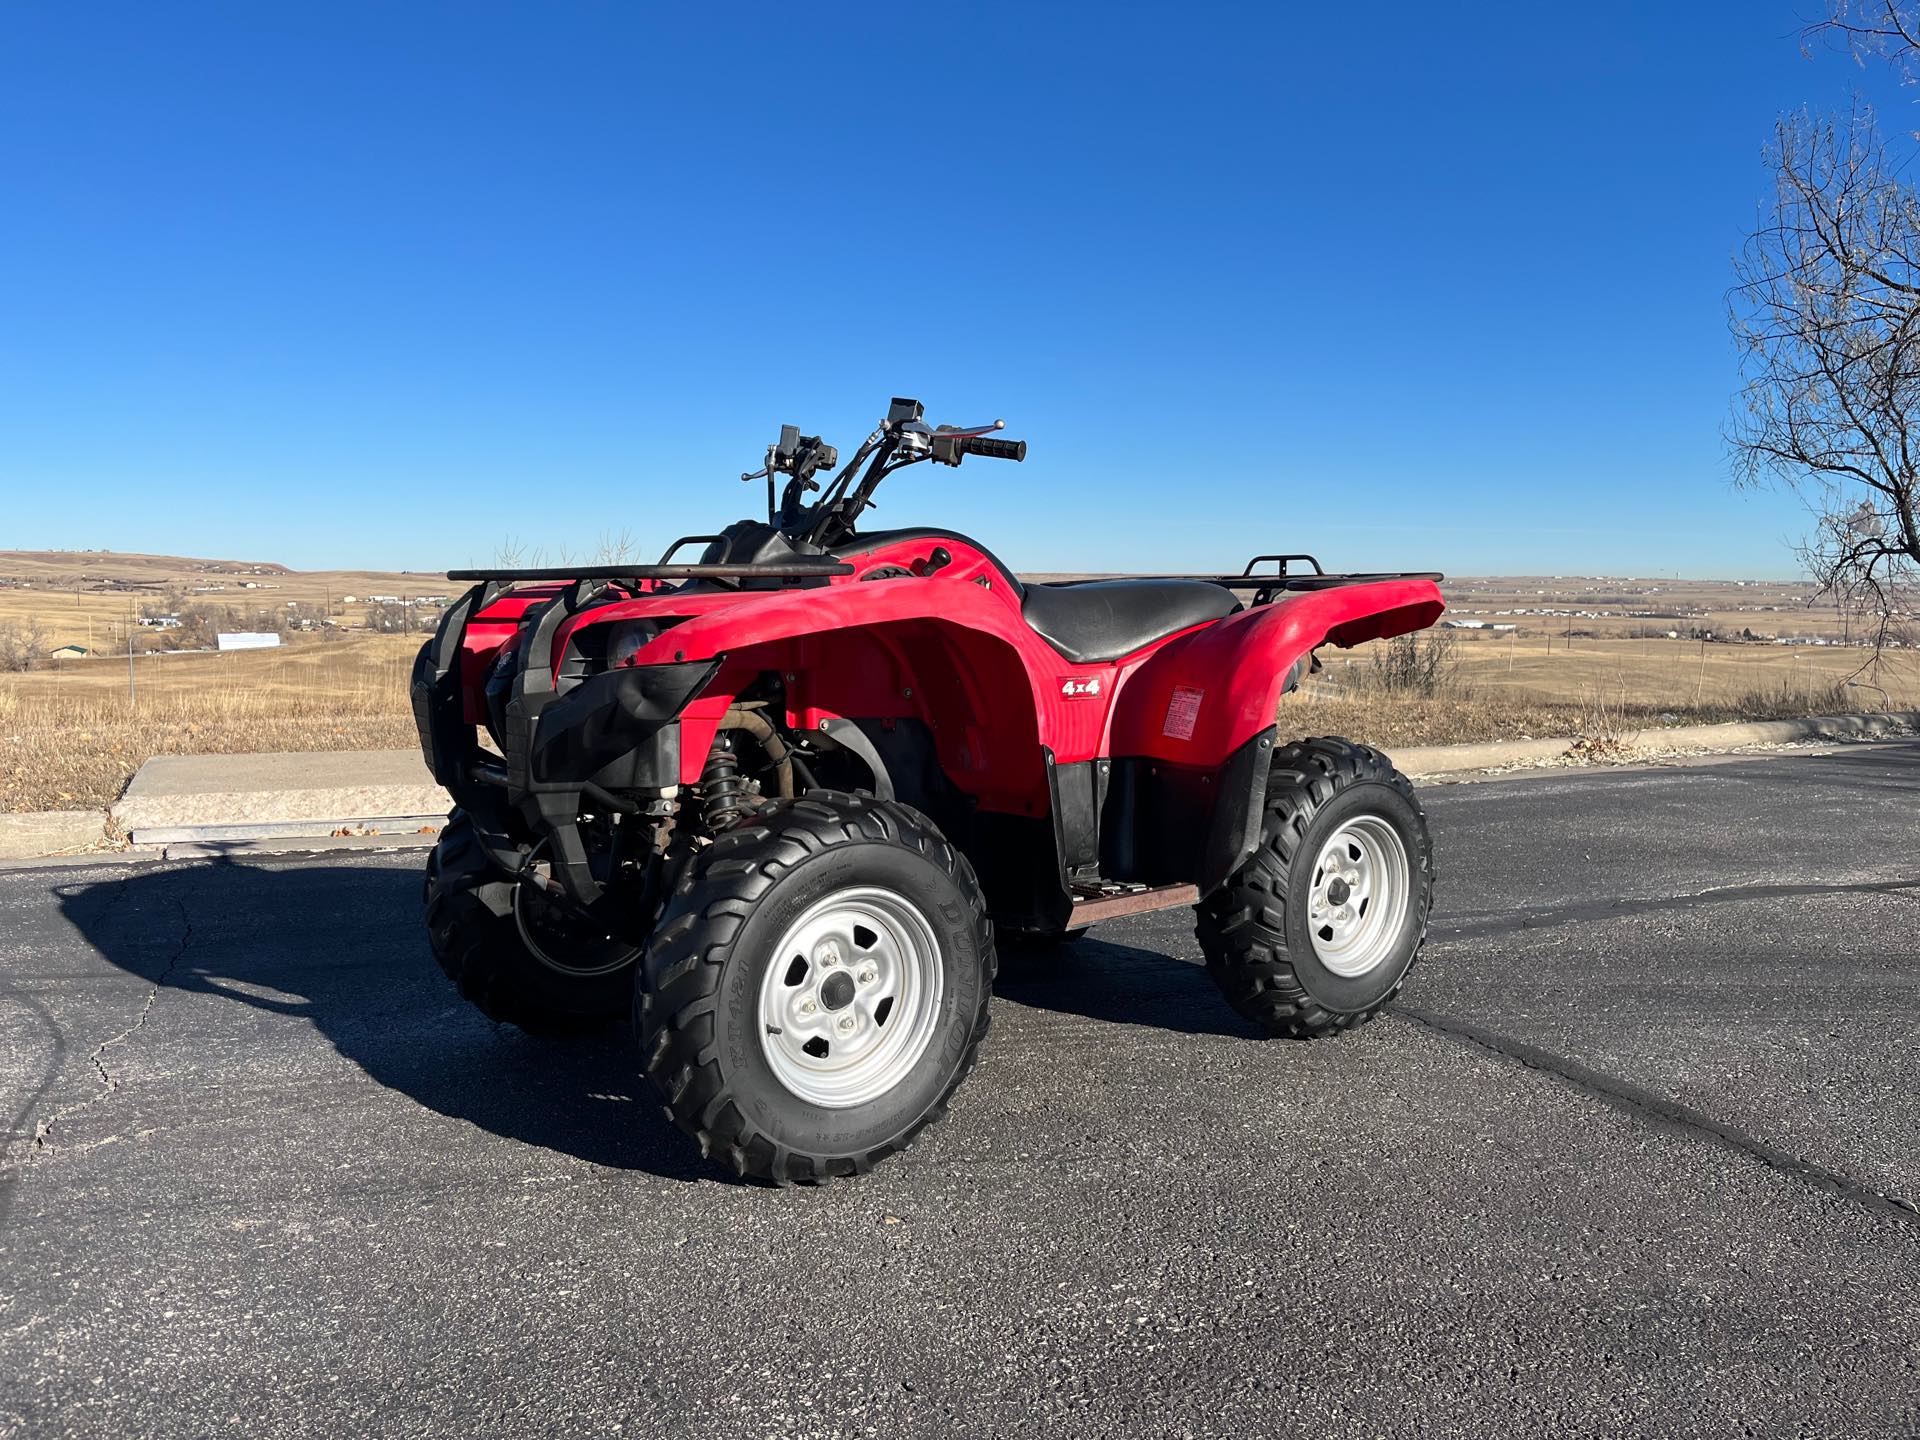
(991,449)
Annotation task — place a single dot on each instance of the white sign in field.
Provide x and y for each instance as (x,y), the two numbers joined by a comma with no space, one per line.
(248,640)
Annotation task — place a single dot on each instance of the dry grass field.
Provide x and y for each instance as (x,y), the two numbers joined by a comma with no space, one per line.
(72,737)
(1615,688)
(1650,681)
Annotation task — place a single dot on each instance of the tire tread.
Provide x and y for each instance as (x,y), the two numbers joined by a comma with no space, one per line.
(1242,925)
(675,1003)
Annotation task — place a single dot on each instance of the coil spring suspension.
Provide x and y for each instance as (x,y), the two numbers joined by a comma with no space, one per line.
(723,789)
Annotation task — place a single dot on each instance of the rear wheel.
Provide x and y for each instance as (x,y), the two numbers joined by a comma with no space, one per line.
(817,988)
(1317,930)
(516,955)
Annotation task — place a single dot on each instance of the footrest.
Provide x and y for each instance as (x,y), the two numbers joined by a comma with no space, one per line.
(1094,903)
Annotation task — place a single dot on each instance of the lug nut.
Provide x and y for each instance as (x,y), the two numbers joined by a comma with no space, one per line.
(807,1007)
(846,1024)
(866,976)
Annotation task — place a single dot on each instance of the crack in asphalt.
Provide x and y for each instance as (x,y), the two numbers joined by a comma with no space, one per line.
(1547,916)
(109,1082)
(1668,1114)
(17,1145)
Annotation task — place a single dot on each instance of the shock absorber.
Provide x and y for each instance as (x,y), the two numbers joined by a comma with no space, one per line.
(723,789)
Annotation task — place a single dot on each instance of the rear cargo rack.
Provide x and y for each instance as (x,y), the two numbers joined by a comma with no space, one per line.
(1277,582)
(1278,579)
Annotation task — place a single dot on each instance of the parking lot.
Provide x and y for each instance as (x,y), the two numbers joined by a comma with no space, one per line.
(1636,1153)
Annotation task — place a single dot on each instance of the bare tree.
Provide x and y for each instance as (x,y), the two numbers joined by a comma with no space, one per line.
(1826,311)
(394,617)
(1427,666)
(614,547)
(22,645)
(1886,30)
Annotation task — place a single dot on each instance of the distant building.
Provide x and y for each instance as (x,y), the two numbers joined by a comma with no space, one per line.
(68,652)
(248,640)
(160,622)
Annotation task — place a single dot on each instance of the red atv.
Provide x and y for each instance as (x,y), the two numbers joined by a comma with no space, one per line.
(776,801)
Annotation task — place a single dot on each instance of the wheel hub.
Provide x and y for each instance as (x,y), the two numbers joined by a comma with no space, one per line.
(850,997)
(1362,886)
(836,991)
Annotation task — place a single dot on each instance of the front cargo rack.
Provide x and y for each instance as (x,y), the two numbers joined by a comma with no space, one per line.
(764,570)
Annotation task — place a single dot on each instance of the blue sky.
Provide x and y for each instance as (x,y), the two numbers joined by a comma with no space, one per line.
(375,284)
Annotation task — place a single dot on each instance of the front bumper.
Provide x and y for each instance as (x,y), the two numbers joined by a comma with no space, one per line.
(566,745)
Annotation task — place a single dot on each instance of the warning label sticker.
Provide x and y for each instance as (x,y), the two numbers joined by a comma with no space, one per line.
(1182,710)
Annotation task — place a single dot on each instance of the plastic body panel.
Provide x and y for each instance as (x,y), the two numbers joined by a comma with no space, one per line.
(953,650)
(1238,666)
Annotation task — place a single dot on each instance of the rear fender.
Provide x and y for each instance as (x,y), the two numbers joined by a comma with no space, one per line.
(1203,696)
(1194,730)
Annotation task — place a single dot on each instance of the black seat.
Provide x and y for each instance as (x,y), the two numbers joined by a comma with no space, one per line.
(1105,619)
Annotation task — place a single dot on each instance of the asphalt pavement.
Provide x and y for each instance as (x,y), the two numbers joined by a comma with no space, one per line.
(1636,1154)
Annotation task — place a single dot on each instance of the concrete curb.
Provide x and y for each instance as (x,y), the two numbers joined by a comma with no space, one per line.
(48,832)
(1419,760)
(374,826)
(320,810)
(134,856)
(182,798)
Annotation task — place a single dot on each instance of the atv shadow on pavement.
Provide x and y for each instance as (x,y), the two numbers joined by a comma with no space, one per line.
(339,948)
(1121,984)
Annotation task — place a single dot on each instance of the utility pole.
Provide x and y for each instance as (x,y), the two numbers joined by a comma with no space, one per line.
(132,697)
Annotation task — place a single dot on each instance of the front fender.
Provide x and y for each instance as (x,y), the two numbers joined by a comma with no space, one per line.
(1200,698)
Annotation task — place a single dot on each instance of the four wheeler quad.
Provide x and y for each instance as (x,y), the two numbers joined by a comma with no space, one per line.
(775,802)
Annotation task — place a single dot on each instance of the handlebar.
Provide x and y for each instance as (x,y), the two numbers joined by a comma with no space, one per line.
(900,440)
(990,449)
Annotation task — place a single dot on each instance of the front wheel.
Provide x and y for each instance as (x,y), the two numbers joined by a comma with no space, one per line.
(817,988)
(1317,930)
(515,955)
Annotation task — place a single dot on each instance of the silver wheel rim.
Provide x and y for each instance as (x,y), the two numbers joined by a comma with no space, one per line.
(850,998)
(1361,890)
